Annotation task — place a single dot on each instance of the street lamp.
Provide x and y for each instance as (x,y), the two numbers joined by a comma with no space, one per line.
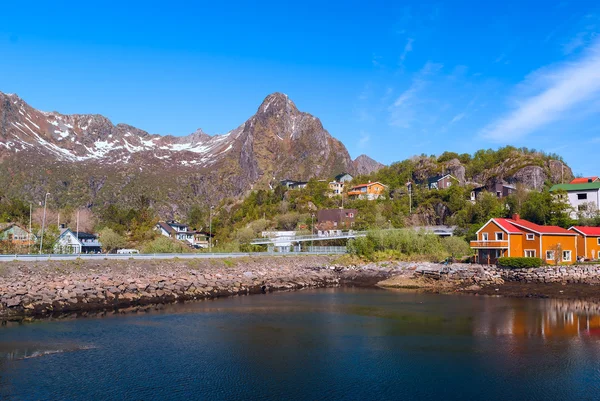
(44,221)
(210,228)
(312,233)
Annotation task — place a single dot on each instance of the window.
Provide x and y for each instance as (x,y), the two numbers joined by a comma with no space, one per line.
(499,236)
(530,253)
(566,256)
(581,196)
(549,255)
(530,237)
(598,241)
(484,236)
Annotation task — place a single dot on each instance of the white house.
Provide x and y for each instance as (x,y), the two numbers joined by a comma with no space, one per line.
(582,197)
(182,232)
(77,242)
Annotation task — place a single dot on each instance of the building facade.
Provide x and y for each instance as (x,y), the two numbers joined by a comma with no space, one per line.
(583,198)
(74,242)
(369,191)
(517,237)
(335,219)
(588,242)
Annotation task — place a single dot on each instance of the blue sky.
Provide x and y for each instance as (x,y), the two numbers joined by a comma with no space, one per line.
(389,79)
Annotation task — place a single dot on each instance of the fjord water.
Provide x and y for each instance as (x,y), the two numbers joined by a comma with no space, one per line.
(314,345)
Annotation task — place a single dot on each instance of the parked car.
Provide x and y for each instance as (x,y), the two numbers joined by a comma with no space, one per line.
(128,251)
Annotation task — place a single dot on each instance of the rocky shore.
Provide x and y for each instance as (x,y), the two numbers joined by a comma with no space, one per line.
(54,287)
(47,288)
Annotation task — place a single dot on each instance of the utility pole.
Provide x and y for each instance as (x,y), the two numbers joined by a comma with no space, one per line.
(77,230)
(409,197)
(44,221)
(210,228)
(29,242)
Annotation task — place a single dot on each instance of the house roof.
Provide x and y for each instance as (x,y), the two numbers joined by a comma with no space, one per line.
(507,226)
(82,235)
(589,231)
(166,227)
(339,176)
(584,180)
(521,223)
(5,226)
(368,185)
(576,187)
(439,177)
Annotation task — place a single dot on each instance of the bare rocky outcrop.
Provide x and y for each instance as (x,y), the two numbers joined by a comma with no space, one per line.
(456,168)
(364,165)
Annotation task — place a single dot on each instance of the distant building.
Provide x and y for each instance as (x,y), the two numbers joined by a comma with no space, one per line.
(582,197)
(291,184)
(337,185)
(182,232)
(585,180)
(77,242)
(16,235)
(344,177)
(335,219)
(369,191)
(442,181)
(501,190)
(440,231)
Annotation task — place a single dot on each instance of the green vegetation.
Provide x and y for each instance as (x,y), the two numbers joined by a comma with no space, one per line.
(238,220)
(519,263)
(407,244)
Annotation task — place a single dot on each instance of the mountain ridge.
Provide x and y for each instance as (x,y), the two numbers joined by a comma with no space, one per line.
(277,142)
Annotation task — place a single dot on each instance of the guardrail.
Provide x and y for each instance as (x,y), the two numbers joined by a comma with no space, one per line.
(148,256)
(306,238)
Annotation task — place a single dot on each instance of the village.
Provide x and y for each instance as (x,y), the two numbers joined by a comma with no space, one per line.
(332,228)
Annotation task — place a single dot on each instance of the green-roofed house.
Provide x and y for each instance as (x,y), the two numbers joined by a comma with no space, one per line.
(582,197)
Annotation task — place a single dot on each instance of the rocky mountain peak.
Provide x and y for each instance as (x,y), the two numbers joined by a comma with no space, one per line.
(364,165)
(276,104)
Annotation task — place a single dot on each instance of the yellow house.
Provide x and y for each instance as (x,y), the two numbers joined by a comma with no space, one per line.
(521,238)
(588,242)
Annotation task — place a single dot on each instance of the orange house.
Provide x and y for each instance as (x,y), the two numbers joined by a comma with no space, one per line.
(521,238)
(370,191)
(588,242)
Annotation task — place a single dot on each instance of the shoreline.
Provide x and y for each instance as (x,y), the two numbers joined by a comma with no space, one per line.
(45,289)
(57,288)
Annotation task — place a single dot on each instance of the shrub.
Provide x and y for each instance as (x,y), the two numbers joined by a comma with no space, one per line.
(165,245)
(519,263)
(457,247)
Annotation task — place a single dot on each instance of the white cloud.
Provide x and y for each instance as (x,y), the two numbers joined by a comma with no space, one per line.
(407,49)
(401,110)
(558,91)
(457,118)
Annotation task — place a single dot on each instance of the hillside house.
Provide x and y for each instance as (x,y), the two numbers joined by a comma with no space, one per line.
(521,238)
(182,232)
(582,197)
(369,191)
(588,242)
(291,184)
(442,181)
(501,190)
(335,219)
(16,235)
(337,185)
(75,242)
(584,180)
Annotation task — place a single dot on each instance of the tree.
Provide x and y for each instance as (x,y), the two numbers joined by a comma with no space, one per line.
(111,241)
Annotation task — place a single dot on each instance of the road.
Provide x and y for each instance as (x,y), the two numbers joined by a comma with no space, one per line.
(148,256)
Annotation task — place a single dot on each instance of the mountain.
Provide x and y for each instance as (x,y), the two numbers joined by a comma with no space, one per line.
(363,165)
(85,160)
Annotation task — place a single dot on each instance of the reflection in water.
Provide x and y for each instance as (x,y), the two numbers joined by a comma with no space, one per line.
(541,318)
(321,344)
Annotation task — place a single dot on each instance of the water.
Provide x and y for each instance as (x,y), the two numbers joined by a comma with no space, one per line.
(314,345)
